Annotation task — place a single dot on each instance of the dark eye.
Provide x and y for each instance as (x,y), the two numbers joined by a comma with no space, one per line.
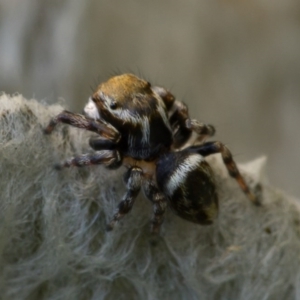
(113,105)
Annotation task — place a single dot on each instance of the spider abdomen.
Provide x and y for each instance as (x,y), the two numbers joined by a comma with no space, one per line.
(188,181)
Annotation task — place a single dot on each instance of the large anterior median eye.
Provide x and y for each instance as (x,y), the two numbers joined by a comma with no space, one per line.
(113,105)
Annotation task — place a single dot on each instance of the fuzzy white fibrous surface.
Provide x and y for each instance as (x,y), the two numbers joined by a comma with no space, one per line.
(53,243)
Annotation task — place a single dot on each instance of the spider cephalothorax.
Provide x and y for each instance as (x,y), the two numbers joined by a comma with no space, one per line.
(136,111)
(149,132)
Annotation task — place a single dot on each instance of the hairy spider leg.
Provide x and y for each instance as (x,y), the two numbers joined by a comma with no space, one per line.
(180,121)
(217,147)
(159,204)
(203,130)
(184,126)
(106,130)
(178,115)
(181,115)
(134,178)
(99,143)
(109,158)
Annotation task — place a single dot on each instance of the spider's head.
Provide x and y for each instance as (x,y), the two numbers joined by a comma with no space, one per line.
(123,99)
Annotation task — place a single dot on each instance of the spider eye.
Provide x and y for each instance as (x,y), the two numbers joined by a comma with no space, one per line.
(113,105)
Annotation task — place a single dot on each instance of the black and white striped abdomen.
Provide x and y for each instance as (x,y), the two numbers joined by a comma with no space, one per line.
(188,182)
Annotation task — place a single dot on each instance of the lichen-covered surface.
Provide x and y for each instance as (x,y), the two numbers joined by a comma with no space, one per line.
(53,243)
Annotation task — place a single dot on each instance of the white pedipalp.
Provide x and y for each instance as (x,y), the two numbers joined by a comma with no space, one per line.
(91,110)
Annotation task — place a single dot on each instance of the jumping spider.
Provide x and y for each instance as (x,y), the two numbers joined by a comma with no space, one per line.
(145,129)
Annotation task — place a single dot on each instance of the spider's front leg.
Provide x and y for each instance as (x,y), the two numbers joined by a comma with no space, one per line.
(217,147)
(109,158)
(159,205)
(133,179)
(106,130)
(107,142)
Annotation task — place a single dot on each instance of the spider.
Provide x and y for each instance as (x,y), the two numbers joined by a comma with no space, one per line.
(145,129)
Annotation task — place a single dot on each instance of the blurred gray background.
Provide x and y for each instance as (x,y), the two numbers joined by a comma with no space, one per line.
(236,63)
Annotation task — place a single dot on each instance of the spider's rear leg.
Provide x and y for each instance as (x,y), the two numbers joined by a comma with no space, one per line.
(110,159)
(217,147)
(159,205)
(180,121)
(106,130)
(203,131)
(133,184)
(184,126)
